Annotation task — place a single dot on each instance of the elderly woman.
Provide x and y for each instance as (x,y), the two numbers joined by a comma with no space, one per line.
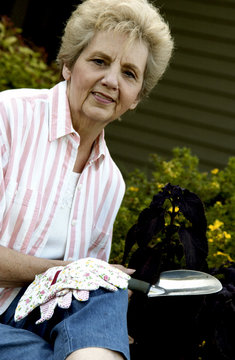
(60,189)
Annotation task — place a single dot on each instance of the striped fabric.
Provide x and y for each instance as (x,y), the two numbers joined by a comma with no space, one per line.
(38,151)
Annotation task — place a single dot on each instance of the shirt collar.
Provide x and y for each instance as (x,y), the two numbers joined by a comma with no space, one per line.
(60,122)
(99,148)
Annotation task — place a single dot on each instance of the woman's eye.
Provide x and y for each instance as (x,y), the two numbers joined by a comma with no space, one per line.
(130,74)
(98,61)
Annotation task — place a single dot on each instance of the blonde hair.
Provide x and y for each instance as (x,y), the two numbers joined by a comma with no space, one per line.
(139,19)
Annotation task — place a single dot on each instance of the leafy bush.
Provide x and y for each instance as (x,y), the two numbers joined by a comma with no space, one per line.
(22,65)
(216,189)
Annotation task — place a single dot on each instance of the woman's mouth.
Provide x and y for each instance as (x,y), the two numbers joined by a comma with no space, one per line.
(102,98)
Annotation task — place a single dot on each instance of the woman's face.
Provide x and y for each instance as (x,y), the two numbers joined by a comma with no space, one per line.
(106,79)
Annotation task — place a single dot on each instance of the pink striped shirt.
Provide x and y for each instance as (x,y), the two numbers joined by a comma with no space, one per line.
(38,150)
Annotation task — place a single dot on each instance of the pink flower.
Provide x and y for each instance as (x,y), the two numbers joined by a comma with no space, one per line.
(106,278)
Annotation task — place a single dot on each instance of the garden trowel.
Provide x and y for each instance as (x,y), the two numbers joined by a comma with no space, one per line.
(178,283)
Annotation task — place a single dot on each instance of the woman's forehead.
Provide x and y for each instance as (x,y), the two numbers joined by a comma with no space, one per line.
(115,44)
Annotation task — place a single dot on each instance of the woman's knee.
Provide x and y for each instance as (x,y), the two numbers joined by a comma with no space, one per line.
(92,353)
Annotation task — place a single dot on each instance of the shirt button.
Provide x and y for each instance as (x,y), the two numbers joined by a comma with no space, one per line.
(79,186)
(74,222)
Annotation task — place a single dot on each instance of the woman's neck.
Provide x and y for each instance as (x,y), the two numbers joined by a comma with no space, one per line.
(87,139)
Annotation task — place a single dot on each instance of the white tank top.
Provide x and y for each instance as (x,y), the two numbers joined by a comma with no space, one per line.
(56,243)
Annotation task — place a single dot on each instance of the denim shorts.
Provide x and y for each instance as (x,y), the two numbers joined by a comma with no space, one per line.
(99,322)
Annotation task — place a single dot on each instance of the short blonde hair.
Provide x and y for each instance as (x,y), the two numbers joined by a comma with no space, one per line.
(139,19)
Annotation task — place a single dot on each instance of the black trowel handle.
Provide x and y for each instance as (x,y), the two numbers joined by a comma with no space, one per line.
(139,285)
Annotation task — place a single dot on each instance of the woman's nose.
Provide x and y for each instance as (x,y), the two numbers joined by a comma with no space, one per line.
(110,79)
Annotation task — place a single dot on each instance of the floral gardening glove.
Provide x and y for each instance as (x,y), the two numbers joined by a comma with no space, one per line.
(57,285)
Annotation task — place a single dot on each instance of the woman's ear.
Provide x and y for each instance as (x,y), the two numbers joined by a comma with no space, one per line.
(66,72)
(134,104)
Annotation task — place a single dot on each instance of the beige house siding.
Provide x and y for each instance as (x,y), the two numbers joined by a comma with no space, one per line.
(194,104)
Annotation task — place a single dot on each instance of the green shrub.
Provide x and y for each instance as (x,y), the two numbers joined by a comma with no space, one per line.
(22,65)
(216,189)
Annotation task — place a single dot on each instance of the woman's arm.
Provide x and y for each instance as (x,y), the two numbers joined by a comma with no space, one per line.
(17,269)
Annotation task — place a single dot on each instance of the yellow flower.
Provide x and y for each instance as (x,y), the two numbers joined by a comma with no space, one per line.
(227,235)
(219,253)
(215,171)
(225,255)
(215,184)
(202,344)
(134,189)
(217,224)
(218,203)
(160,186)
(211,240)
(176,209)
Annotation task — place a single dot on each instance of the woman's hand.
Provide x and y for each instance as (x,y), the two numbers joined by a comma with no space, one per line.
(57,285)
(128,271)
